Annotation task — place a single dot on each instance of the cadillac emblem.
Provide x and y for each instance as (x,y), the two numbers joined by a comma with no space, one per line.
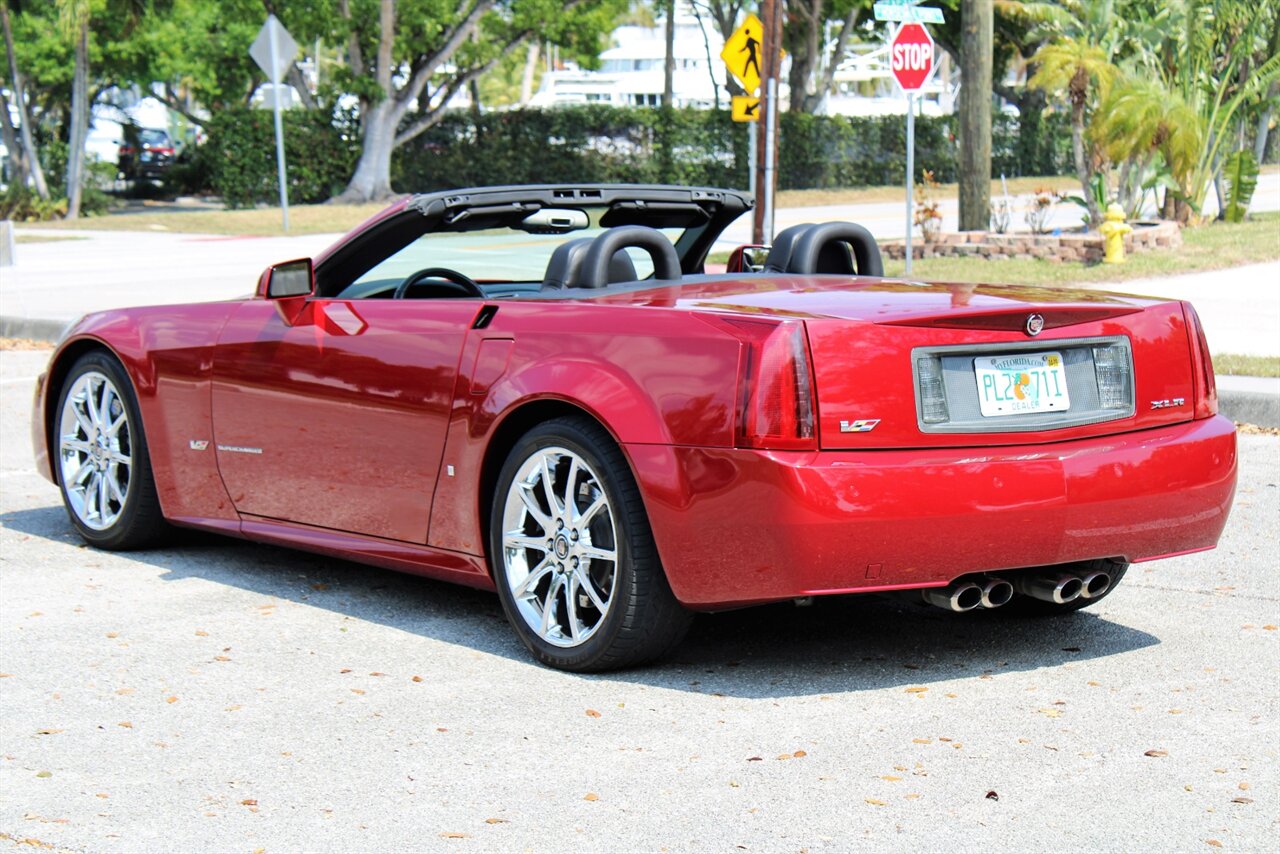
(1035,324)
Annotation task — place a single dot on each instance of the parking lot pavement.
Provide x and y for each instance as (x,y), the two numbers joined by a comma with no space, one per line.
(217,695)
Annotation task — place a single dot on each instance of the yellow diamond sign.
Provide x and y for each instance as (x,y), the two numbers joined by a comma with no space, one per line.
(742,53)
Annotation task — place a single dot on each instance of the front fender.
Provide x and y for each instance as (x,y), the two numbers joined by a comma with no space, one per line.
(167,353)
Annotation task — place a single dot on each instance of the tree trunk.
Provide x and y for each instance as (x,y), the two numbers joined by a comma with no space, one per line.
(24,115)
(18,172)
(1082,165)
(530,67)
(669,67)
(79,122)
(706,44)
(974,112)
(1264,121)
(372,179)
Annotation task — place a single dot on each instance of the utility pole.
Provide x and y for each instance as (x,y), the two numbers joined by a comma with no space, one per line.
(767,145)
(974,110)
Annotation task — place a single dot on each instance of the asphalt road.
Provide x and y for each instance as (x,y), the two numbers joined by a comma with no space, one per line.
(216,695)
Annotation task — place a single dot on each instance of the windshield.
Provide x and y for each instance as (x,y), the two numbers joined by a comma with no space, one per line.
(495,255)
(155,138)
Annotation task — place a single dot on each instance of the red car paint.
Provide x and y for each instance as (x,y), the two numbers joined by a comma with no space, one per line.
(377,422)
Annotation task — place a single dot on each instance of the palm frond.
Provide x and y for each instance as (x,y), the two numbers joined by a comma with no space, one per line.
(1240,173)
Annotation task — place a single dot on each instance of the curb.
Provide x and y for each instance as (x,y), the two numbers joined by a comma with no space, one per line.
(1248,407)
(1250,400)
(1244,399)
(34,328)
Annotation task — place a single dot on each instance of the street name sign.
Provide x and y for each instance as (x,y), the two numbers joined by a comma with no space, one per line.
(907,12)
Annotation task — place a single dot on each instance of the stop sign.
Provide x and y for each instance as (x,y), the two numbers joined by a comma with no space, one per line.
(911,56)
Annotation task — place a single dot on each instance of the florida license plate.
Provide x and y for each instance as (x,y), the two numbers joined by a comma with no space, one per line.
(1021,383)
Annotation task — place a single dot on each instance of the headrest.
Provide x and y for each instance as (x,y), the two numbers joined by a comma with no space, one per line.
(566,264)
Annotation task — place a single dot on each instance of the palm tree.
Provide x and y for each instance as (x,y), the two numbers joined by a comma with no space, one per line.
(1186,93)
(1079,69)
(75,19)
(1140,118)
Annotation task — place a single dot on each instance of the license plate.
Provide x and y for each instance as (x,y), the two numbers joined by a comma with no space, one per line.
(1021,383)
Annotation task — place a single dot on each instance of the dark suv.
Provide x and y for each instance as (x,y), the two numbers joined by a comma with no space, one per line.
(146,153)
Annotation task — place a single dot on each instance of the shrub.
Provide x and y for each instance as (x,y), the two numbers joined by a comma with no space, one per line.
(591,143)
(241,155)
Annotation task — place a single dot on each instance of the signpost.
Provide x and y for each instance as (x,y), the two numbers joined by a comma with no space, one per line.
(274,50)
(911,62)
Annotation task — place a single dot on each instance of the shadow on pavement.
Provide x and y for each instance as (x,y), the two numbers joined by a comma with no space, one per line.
(839,644)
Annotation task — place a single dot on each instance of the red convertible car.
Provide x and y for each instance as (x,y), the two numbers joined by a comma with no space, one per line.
(540,390)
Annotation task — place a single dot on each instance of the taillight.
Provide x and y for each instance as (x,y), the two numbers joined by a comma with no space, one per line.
(1206,386)
(776,410)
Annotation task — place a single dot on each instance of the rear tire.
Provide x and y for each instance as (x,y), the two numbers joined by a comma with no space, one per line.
(1027,606)
(100,456)
(573,555)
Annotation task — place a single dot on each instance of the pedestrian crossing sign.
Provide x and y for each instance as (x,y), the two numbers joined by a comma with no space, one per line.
(742,54)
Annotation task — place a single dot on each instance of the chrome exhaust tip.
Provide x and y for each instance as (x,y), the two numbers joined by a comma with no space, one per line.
(996,592)
(1094,584)
(960,596)
(1058,588)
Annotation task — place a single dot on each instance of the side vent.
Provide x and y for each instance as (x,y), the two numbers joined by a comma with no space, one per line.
(484,317)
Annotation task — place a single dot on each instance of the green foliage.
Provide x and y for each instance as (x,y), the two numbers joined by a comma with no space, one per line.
(611,144)
(21,204)
(1240,172)
(240,156)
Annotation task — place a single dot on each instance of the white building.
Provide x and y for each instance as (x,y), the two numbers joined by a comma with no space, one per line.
(631,72)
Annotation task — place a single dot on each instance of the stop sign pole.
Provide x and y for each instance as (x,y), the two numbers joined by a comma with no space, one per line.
(911,61)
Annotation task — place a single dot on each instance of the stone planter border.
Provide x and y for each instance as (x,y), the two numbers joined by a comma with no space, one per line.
(1071,246)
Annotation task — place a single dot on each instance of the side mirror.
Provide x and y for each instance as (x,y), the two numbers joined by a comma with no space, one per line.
(747,259)
(290,279)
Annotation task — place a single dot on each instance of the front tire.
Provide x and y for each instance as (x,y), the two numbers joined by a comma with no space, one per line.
(573,555)
(103,468)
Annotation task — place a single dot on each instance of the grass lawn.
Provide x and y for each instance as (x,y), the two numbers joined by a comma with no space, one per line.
(1209,247)
(44,238)
(303,219)
(1246,366)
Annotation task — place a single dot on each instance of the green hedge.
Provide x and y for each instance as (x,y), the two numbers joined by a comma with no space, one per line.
(240,155)
(593,143)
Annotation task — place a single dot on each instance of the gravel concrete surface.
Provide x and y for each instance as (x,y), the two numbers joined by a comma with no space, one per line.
(218,695)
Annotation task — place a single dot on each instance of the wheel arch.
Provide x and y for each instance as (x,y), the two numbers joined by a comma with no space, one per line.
(60,366)
(507,432)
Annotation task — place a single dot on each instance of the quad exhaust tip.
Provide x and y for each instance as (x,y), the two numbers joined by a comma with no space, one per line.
(1094,584)
(959,596)
(996,592)
(1058,588)
(992,591)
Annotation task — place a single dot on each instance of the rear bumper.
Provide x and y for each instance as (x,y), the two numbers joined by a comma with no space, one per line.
(736,527)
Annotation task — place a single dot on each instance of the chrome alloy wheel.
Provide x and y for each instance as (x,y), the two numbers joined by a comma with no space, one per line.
(559,547)
(95,449)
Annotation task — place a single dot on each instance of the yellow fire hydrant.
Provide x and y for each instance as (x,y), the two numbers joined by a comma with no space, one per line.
(1113,231)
